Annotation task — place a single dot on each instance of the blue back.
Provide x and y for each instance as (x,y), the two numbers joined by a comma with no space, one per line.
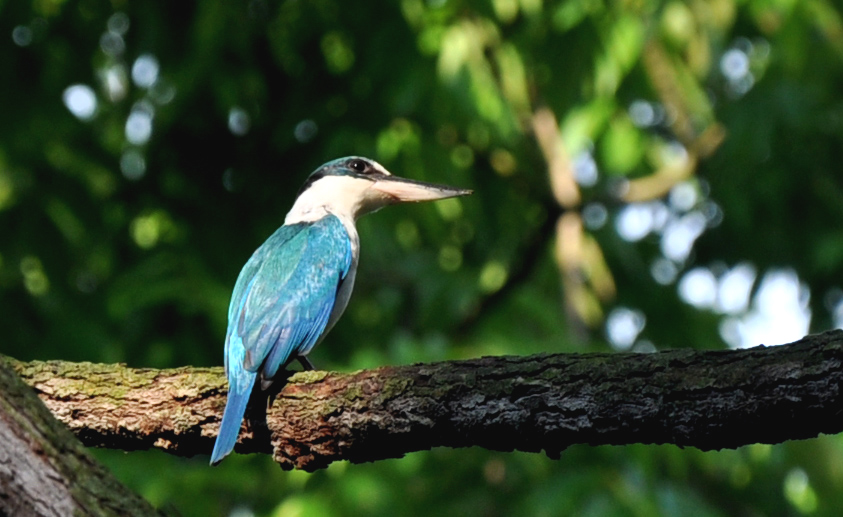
(281,304)
(284,295)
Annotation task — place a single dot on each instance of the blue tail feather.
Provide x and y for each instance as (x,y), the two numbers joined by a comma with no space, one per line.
(235,408)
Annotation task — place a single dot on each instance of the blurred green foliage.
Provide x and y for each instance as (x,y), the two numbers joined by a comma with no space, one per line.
(619,150)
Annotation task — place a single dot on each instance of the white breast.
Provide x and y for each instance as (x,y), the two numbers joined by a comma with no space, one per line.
(344,293)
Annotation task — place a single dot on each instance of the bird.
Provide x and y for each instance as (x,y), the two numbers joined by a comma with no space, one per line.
(297,284)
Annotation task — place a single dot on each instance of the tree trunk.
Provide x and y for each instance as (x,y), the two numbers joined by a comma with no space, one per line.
(44,470)
(709,400)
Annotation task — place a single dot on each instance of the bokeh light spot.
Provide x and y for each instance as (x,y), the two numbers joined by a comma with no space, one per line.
(462,156)
(145,70)
(162,92)
(623,325)
(779,313)
(305,131)
(450,209)
(478,135)
(22,35)
(642,113)
(339,57)
(112,44)
(634,221)
(585,169)
(147,230)
(132,164)
(238,121)
(407,234)
(450,258)
(6,189)
(494,471)
(713,213)
(734,64)
(228,179)
(118,23)
(679,235)
(734,289)
(115,81)
(493,276)
(664,271)
(683,196)
(798,491)
(595,215)
(698,287)
(503,162)
(34,279)
(81,101)
(139,127)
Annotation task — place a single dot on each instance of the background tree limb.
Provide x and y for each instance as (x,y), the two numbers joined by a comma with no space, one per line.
(709,400)
(44,470)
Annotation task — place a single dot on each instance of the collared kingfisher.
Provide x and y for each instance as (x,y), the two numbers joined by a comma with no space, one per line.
(297,284)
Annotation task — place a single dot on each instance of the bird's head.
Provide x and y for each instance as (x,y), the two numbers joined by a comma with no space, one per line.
(354,186)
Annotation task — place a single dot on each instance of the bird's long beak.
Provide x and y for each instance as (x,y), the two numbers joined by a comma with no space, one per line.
(405,190)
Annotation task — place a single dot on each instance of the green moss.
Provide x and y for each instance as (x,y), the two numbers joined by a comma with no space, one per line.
(353,392)
(309,377)
(394,386)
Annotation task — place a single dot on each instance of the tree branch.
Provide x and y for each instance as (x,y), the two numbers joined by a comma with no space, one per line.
(708,400)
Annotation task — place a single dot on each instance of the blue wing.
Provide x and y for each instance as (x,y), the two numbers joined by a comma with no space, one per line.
(280,307)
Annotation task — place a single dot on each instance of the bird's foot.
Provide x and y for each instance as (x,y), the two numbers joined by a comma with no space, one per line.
(305,362)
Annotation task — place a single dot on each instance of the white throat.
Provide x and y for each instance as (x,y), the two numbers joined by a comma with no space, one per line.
(346,197)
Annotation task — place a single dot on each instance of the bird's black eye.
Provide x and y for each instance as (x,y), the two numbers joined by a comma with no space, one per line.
(358,165)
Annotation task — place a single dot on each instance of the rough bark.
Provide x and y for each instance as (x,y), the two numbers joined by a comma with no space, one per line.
(44,470)
(708,400)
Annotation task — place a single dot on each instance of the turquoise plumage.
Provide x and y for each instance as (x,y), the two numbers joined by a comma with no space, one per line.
(280,307)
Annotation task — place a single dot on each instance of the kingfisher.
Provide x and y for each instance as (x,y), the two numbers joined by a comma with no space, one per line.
(297,284)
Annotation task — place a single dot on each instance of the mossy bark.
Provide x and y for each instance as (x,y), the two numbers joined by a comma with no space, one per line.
(44,470)
(709,400)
